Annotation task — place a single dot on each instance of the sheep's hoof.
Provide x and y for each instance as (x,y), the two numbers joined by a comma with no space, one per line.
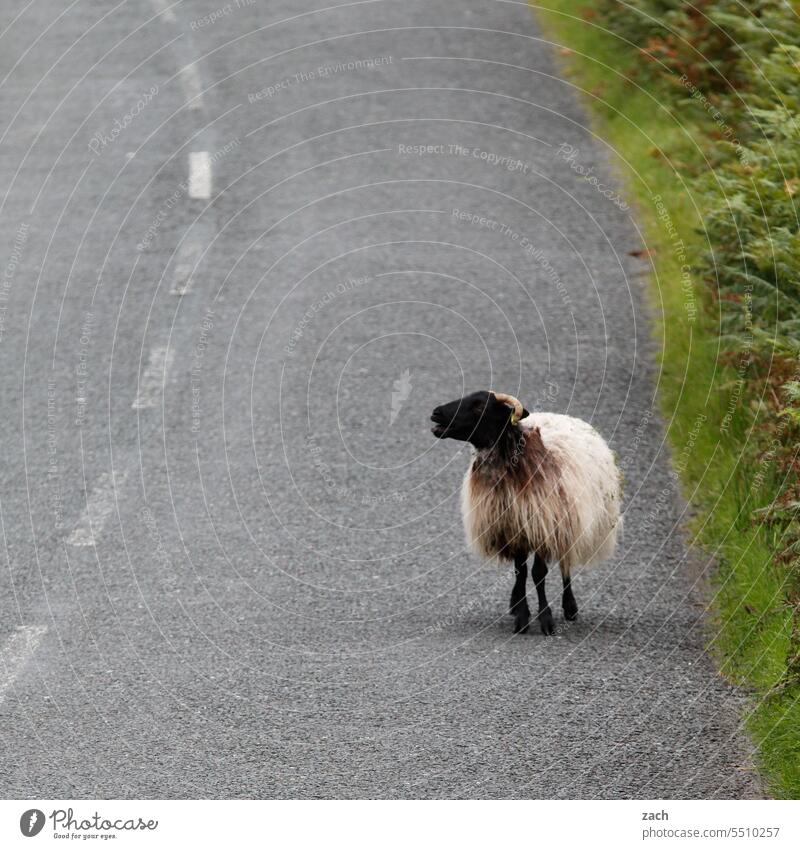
(522,619)
(570,609)
(546,623)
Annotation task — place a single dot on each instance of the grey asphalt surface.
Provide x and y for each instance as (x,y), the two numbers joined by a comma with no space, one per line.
(276,600)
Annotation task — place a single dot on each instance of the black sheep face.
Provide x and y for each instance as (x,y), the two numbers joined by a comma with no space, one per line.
(478,418)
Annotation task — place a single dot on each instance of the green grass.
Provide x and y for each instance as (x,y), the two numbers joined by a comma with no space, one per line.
(659,149)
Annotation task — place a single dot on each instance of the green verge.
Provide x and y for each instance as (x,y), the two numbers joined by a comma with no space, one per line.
(662,151)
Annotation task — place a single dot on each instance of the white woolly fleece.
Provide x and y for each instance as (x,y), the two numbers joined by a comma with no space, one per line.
(570,515)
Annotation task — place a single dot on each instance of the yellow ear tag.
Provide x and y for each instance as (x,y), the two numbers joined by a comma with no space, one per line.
(514,420)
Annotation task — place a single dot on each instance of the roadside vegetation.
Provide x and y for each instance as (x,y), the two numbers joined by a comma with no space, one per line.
(701,103)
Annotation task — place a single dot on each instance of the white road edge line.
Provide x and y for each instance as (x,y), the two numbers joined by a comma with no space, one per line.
(153,378)
(16,653)
(200,175)
(99,506)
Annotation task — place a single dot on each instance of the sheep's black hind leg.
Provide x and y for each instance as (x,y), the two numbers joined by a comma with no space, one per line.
(545,615)
(568,603)
(519,600)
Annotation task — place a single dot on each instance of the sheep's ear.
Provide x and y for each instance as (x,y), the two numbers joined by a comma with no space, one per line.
(525,413)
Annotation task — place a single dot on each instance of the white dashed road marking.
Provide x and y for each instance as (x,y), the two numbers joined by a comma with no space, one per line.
(164,9)
(192,85)
(200,175)
(153,379)
(16,652)
(99,507)
(189,254)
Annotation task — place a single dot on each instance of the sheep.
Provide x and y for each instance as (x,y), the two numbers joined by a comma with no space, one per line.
(544,484)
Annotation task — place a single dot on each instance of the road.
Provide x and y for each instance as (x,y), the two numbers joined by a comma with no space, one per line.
(247,247)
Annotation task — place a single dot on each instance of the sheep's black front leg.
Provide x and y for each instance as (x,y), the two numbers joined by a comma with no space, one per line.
(545,615)
(568,603)
(519,600)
